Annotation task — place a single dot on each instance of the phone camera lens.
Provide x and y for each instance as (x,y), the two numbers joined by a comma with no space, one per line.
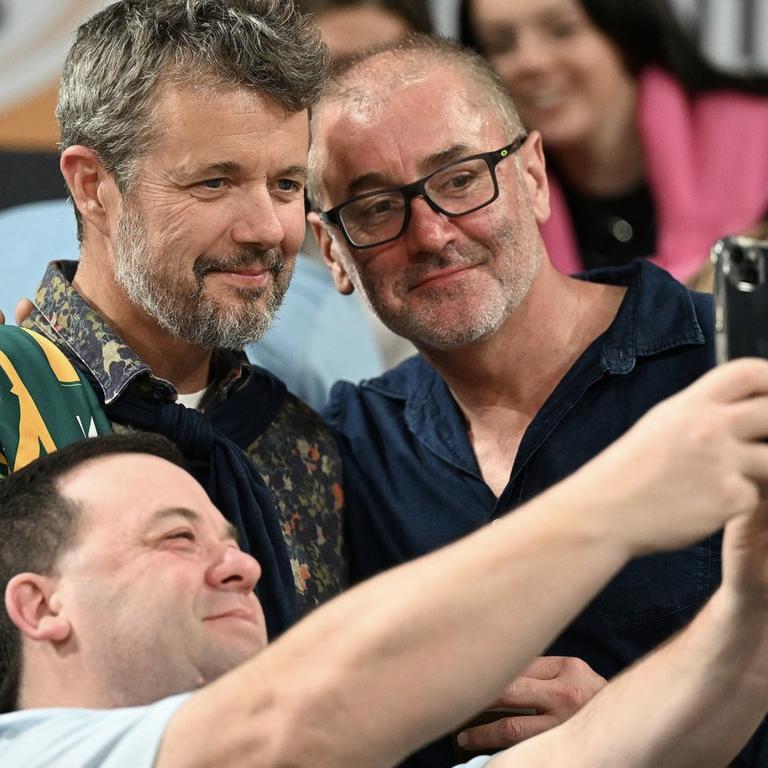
(749,273)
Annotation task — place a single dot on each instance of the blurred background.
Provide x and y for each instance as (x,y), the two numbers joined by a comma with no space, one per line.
(35,34)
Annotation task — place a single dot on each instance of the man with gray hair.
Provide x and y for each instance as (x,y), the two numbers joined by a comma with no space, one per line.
(184,136)
(429,197)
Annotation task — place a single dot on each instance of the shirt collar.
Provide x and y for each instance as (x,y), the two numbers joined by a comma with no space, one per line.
(61,313)
(657,314)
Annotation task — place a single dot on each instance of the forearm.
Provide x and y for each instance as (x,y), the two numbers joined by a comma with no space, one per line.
(693,703)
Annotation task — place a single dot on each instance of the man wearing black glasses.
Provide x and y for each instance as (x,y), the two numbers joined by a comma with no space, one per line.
(429,197)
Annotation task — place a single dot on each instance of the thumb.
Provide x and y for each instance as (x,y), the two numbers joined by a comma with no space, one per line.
(23,310)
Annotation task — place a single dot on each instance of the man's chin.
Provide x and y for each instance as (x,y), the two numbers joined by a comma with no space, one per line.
(443,332)
(229,656)
(210,331)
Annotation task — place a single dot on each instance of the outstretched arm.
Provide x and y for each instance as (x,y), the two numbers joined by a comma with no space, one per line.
(410,654)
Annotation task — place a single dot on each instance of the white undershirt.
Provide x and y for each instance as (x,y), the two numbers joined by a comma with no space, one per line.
(190,400)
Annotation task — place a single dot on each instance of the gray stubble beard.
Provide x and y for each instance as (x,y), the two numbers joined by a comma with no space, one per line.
(192,316)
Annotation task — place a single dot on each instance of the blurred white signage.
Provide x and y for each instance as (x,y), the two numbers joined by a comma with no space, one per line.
(34,38)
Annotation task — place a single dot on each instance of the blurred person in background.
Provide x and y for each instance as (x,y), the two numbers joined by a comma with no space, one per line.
(652,152)
(349,25)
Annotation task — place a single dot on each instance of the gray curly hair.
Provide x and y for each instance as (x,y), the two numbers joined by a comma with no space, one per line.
(123,54)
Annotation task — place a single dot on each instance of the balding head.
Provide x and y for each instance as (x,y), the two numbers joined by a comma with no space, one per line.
(364,85)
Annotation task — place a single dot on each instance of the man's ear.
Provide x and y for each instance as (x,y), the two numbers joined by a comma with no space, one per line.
(328,245)
(535,175)
(92,187)
(34,608)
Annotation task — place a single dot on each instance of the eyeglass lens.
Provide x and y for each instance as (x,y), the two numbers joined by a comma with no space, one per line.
(457,189)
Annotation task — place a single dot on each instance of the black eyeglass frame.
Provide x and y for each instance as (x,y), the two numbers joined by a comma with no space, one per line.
(418,189)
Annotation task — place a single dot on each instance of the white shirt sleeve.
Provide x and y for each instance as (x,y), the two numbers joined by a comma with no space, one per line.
(86,738)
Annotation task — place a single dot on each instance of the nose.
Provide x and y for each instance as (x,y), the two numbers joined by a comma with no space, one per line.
(428,230)
(257,222)
(234,570)
(531,55)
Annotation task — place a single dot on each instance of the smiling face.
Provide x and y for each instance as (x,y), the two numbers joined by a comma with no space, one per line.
(566,77)
(159,597)
(207,236)
(446,282)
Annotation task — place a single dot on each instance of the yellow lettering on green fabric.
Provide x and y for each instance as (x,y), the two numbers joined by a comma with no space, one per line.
(63,370)
(32,429)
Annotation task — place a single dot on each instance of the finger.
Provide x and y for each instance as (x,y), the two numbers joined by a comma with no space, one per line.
(544,668)
(528,692)
(23,310)
(505,732)
(2,317)
(734,380)
(750,418)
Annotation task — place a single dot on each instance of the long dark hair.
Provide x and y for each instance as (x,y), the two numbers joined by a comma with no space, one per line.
(647,32)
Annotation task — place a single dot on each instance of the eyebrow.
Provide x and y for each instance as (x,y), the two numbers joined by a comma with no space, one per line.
(294,170)
(223,168)
(374,180)
(447,156)
(230,532)
(231,168)
(555,10)
(367,182)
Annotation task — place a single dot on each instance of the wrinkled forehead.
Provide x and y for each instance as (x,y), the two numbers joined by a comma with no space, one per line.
(387,121)
(178,108)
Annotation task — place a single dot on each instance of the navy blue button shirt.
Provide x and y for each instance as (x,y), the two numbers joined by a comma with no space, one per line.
(413,483)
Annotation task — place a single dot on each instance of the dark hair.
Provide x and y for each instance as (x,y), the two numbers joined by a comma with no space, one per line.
(37,524)
(647,32)
(413,12)
(122,56)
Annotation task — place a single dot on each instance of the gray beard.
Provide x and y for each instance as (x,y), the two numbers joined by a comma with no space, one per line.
(188,314)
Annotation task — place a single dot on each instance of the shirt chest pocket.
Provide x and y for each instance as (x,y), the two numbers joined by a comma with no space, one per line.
(662,584)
